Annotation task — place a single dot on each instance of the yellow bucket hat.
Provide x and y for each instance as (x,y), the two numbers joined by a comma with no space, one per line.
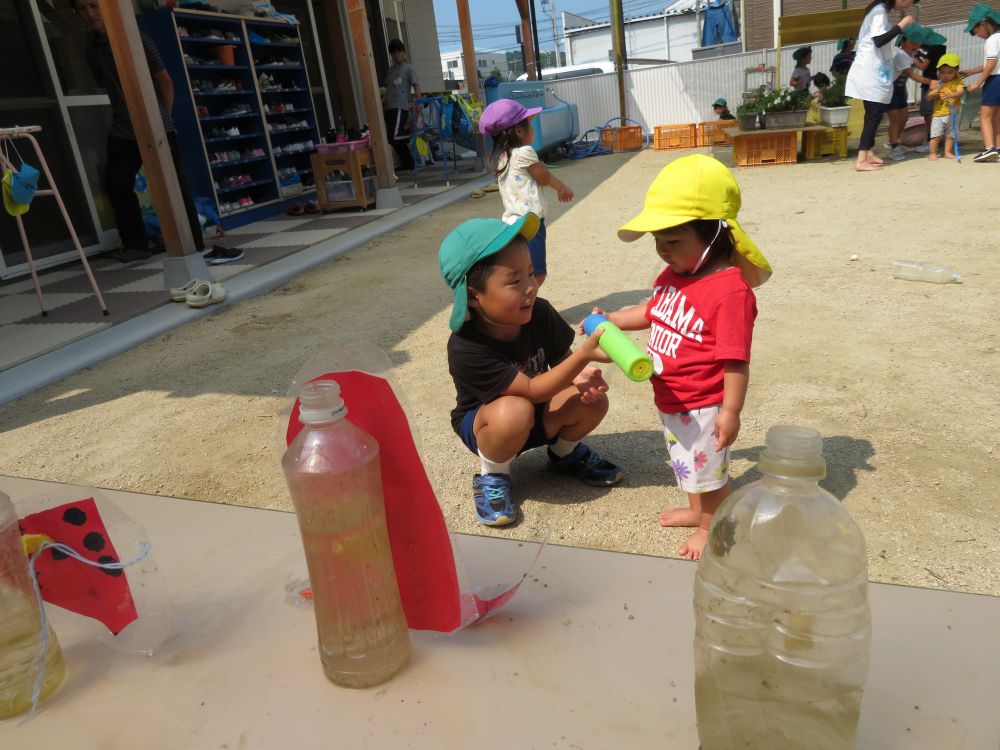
(698,187)
(13,207)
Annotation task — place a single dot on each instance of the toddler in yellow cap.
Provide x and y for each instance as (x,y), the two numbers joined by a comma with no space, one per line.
(700,320)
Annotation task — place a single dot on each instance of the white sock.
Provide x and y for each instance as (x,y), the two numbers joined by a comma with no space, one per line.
(563,448)
(494,467)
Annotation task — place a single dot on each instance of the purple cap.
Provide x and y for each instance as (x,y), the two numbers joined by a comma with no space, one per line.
(503,114)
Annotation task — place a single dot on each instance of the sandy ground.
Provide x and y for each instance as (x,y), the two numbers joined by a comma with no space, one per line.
(900,377)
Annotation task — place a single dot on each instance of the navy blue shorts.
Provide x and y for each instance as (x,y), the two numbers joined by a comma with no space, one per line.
(991,91)
(536,438)
(536,246)
(898,100)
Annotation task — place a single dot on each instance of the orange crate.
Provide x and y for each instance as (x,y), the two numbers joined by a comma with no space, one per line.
(668,137)
(716,132)
(628,138)
(757,149)
(817,144)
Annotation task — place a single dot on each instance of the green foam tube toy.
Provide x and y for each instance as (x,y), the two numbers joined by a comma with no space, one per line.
(623,351)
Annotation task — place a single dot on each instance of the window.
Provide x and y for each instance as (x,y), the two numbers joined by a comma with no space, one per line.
(453,63)
(483,63)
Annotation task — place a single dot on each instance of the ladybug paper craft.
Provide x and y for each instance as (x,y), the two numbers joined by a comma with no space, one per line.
(101,594)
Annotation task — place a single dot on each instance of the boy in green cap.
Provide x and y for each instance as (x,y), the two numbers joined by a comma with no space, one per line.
(518,383)
(721,109)
(801,76)
(984,22)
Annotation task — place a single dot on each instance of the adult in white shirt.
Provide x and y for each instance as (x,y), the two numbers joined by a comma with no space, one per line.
(871,74)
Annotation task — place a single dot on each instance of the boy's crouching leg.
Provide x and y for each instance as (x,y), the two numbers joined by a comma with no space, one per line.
(569,419)
(502,427)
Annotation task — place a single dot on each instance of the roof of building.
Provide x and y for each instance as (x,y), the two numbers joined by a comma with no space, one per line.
(575,23)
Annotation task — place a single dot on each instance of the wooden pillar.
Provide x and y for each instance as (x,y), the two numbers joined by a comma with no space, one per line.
(357,19)
(621,58)
(468,47)
(144,111)
(527,40)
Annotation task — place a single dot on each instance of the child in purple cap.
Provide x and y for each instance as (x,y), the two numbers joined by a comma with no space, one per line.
(520,174)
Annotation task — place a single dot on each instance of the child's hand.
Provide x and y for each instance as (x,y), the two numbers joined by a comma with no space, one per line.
(591,384)
(565,194)
(595,311)
(727,427)
(935,85)
(592,349)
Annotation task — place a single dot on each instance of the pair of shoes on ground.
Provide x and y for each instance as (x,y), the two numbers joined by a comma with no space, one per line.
(198,293)
(493,492)
(219,255)
(987,154)
(300,209)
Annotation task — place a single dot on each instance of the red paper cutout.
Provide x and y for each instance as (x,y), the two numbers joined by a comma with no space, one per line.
(421,549)
(93,592)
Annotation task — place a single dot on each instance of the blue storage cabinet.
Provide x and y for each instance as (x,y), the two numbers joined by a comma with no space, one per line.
(554,126)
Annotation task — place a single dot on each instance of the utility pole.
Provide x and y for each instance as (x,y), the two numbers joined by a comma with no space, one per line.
(534,37)
(621,57)
(553,15)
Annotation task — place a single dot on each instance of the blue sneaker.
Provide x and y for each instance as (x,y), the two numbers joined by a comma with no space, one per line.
(587,466)
(493,503)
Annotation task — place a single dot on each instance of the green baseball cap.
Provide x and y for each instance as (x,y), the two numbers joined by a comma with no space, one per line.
(801,52)
(469,243)
(979,13)
(720,102)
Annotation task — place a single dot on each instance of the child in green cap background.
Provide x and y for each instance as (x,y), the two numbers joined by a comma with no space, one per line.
(518,383)
(700,320)
(801,76)
(984,22)
(721,108)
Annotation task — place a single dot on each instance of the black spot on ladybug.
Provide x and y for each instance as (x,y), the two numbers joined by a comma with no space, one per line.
(75,516)
(58,554)
(94,541)
(104,560)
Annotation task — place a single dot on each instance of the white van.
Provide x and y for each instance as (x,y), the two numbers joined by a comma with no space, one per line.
(573,71)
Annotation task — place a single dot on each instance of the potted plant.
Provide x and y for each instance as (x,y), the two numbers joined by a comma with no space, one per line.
(785,108)
(833,107)
(747,115)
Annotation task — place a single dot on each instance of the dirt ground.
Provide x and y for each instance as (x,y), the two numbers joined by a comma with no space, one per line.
(900,377)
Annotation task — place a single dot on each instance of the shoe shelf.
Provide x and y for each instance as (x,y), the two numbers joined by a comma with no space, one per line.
(254,61)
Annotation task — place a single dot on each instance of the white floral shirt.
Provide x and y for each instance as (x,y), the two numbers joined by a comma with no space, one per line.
(518,189)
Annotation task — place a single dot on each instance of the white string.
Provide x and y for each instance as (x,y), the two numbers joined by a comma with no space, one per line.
(43,636)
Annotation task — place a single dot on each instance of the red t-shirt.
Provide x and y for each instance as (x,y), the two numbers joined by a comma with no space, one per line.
(697,324)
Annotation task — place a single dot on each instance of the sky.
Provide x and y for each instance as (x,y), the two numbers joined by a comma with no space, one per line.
(493,21)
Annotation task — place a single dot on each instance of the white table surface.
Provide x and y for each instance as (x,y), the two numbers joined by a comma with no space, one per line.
(593,652)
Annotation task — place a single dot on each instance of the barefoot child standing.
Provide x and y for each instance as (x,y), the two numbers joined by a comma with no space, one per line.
(518,384)
(520,174)
(700,320)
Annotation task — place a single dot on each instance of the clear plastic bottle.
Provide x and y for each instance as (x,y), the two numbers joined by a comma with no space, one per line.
(911,270)
(20,625)
(782,624)
(333,473)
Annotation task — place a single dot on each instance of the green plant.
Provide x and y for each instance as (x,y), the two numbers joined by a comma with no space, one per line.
(833,95)
(748,108)
(784,100)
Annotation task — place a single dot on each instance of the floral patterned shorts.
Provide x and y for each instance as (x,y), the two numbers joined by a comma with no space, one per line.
(690,437)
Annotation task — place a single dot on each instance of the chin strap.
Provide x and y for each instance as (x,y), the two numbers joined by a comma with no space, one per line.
(704,255)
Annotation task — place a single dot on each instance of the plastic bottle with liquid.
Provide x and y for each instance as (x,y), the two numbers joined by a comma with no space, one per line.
(782,623)
(911,270)
(20,625)
(333,472)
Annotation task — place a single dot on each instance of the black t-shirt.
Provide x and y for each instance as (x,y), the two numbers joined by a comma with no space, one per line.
(483,367)
(934,54)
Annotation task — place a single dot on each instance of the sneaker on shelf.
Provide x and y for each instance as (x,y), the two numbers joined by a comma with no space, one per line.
(492,495)
(587,466)
(233,131)
(182,31)
(923,148)
(987,154)
(897,153)
(222,255)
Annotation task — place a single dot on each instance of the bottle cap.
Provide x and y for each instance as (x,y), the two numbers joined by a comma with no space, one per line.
(793,451)
(320,401)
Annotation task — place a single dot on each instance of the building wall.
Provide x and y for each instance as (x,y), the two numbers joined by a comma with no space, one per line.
(760,14)
(453,69)
(422,43)
(644,39)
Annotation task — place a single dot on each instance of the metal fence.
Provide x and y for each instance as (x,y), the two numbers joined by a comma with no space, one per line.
(684,92)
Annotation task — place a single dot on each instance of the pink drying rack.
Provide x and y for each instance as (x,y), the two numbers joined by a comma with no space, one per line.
(10,134)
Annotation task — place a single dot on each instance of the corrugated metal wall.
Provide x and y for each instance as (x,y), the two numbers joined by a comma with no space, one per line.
(684,92)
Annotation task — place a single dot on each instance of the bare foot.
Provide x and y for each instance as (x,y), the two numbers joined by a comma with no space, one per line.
(949,155)
(692,548)
(867,166)
(872,159)
(933,157)
(680,517)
